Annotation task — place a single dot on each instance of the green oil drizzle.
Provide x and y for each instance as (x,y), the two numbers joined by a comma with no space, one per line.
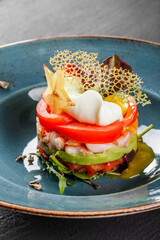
(142,159)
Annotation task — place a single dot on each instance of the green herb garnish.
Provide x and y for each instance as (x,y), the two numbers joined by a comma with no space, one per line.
(61,178)
(144,131)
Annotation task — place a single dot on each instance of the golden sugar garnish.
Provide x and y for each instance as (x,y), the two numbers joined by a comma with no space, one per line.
(82,72)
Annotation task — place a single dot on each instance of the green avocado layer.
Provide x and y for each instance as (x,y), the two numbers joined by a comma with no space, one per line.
(111,154)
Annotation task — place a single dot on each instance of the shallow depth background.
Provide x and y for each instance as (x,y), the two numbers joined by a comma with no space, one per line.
(21,20)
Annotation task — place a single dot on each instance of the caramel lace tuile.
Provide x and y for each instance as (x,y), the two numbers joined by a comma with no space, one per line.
(83,72)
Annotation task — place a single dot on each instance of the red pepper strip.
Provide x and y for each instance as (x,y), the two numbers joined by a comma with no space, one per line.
(103,167)
(94,168)
(131,115)
(40,150)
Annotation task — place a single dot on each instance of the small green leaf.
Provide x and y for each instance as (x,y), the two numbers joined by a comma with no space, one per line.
(62,184)
(81,175)
(61,178)
(35,154)
(97,175)
(71,184)
(58,165)
(113,173)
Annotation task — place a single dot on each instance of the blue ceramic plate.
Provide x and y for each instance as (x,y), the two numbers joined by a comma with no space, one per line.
(22,66)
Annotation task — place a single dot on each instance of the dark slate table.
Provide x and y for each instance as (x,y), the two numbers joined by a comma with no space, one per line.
(21,20)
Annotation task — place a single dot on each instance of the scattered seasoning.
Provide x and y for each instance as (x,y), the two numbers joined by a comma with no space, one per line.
(36,185)
(92,184)
(4,84)
(21,158)
(30,159)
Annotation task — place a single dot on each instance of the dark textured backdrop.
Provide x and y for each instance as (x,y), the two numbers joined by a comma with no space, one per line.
(21,20)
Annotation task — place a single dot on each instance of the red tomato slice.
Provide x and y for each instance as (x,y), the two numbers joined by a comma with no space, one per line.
(88,133)
(49,120)
(83,132)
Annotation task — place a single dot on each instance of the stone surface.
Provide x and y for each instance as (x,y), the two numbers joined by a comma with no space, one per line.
(14,225)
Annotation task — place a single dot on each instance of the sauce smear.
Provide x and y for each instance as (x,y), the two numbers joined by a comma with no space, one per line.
(141,160)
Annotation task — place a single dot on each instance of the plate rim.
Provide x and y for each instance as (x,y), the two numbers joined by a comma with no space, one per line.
(79,36)
(80,214)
